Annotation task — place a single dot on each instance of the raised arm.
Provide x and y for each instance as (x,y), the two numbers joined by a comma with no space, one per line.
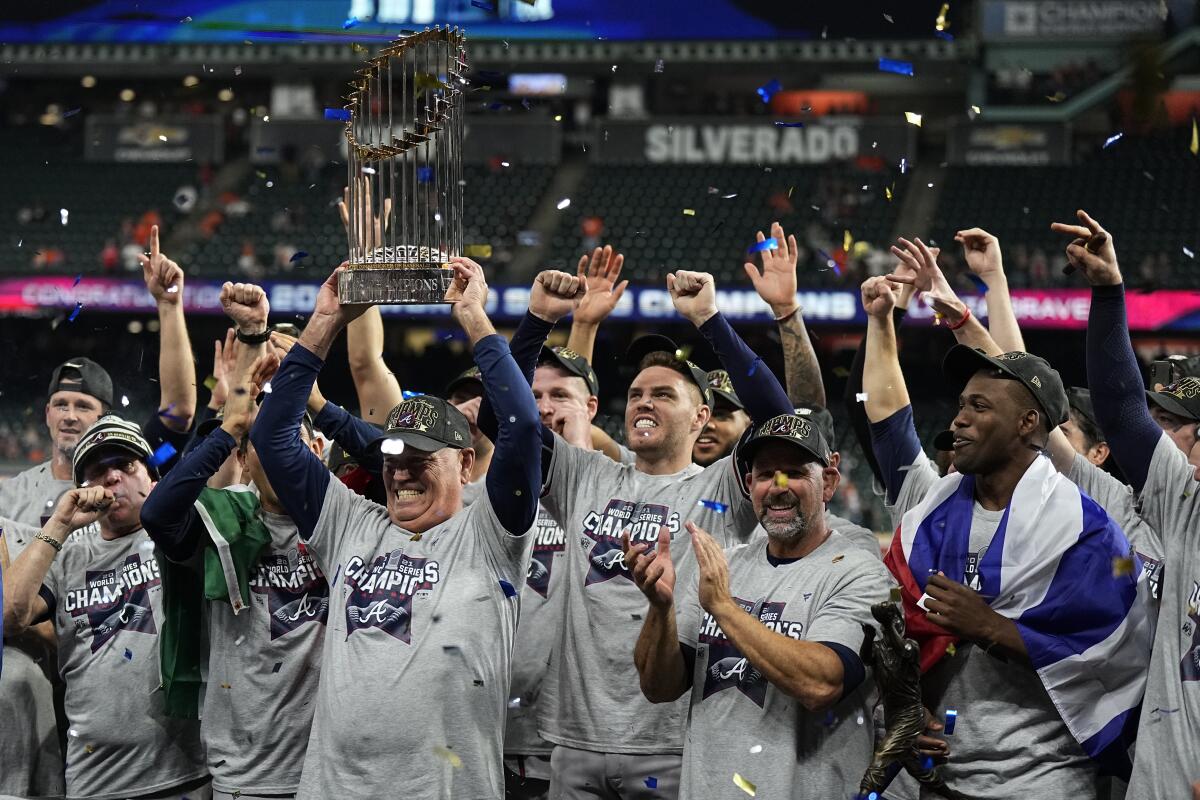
(1118,395)
(376,386)
(602,292)
(695,298)
(982,252)
(176,368)
(24,602)
(776,285)
(515,480)
(169,513)
(295,472)
(884,390)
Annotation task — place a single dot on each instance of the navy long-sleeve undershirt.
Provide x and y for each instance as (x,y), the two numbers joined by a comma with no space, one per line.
(1118,394)
(169,513)
(756,386)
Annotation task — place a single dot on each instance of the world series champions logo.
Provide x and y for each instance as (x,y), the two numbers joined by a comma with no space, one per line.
(726,667)
(116,600)
(295,590)
(381,592)
(602,533)
(548,539)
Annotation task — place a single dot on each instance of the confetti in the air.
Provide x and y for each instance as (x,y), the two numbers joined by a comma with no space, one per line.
(860,397)
(338,113)
(296,256)
(566,201)
(658,65)
(940,24)
(63,214)
(898,67)
(743,784)
(75,313)
(651,782)
(1113,139)
(978,281)
(790,124)
(887,192)
(125,399)
(765,244)
(1195,146)
(161,454)
(768,91)
(484,5)
(1122,566)
(350,23)
(689,212)
(507,588)
(913,118)
(904,163)
(713,505)
(1188,253)
(951,650)
(128,654)
(391,447)
(478,251)
(951,718)
(781,480)
(895,594)
(448,755)
(847,241)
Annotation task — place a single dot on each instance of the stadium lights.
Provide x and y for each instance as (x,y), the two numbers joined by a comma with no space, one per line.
(87,81)
(190,81)
(225,95)
(127,95)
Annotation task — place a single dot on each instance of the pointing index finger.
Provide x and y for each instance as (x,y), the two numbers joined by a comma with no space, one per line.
(154,251)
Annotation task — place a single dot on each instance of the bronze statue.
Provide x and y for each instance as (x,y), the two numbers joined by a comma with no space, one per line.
(897,663)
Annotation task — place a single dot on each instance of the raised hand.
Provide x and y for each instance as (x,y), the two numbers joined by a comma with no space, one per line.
(878,296)
(163,276)
(653,571)
(1091,251)
(776,284)
(554,294)
(373,236)
(982,252)
(469,290)
(714,570)
(224,358)
(78,508)
(470,410)
(329,306)
(574,424)
(599,276)
(694,295)
(246,304)
(927,278)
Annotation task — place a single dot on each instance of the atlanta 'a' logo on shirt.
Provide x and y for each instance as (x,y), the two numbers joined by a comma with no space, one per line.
(116,600)
(726,667)
(1189,666)
(381,592)
(295,590)
(604,529)
(548,539)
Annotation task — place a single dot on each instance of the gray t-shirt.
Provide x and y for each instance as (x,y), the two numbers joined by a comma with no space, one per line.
(107,606)
(740,723)
(537,633)
(1009,739)
(1118,501)
(264,664)
(591,698)
(416,663)
(919,477)
(856,534)
(29,496)
(1167,758)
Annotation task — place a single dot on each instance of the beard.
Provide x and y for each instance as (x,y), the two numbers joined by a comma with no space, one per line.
(787,532)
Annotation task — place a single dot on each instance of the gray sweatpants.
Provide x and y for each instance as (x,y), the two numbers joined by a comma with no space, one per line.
(586,775)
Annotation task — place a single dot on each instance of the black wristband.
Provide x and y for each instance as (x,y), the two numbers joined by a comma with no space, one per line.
(254,338)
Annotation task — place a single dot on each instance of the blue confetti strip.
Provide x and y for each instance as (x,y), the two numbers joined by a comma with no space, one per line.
(765,244)
(978,281)
(350,23)
(898,67)
(78,278)
(651,782)
(949,37)
(72,112)
(713,505)
(1112,139)
(927,763)
(128,654)
(337,113)
(299,254)
(75,313)
(484,5)
(405,394)
(789,124)
(508,589)
(164,453)
(951,716)
(424,174)
(753,369)
(768,91)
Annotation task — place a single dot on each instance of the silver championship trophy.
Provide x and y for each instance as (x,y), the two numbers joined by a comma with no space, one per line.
(404,141)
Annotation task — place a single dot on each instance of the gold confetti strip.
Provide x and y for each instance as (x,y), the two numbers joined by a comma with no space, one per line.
(689,212)
(447,755)
(1121,566)
(951,650)
(847,241)
(743,784)
(479,251)
(210,382)
(940,23)
(1195,148)
(896,594)
(913,118)
(781,480)
(887,191)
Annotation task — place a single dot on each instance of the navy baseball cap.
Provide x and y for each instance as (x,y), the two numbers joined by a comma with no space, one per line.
(722,388)
(573,363)
(1182,397)
(469,375)
(84,376)
(657,343)
(1034,373)
(795,429)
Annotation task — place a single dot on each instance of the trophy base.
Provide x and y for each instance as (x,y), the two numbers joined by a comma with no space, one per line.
(398,285)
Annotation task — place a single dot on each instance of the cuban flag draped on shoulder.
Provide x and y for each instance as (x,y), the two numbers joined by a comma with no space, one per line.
(1050,569)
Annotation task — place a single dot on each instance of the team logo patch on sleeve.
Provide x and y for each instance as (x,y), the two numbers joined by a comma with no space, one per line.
(295,590)
(643,520)
(381,592)
(726,667)
(115,600)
